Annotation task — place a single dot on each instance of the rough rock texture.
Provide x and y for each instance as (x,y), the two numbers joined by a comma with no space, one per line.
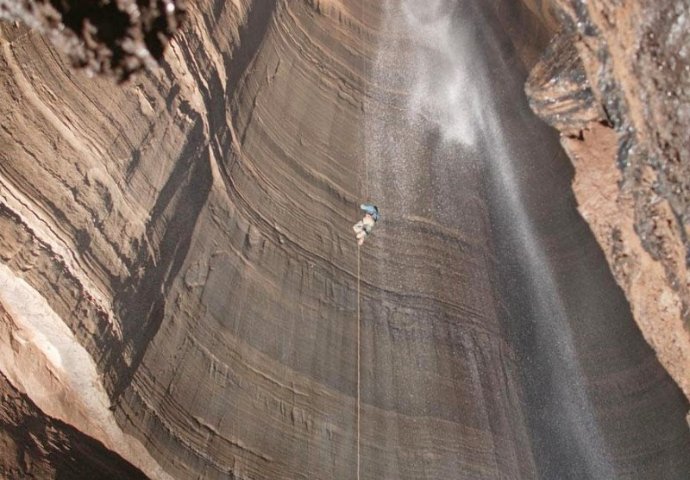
(180,275)
(559,91)
(623,106)
(37,446)
(112,37)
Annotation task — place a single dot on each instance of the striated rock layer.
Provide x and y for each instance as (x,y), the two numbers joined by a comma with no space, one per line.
(179,277)
(624,125)
(115,38)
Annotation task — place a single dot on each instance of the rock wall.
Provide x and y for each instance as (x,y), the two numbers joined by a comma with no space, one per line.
(37,446)
(111,38)
(184,226)
(615,84)
(180,280)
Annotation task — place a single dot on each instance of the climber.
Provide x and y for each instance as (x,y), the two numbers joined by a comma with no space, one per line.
(366,224)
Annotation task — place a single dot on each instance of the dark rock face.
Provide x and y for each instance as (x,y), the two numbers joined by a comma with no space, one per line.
(189,232)
(36,446)
(635,71)
(112,37)
(559,91)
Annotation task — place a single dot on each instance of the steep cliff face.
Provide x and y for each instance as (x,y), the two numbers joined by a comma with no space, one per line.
(179,279)
(191,228)
(621,101)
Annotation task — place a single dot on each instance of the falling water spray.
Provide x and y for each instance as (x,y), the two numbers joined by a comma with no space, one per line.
(436,58)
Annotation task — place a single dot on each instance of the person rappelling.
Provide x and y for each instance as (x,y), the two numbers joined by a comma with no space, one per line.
(366,224)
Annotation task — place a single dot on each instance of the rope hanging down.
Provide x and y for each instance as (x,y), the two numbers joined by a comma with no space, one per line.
(358,358)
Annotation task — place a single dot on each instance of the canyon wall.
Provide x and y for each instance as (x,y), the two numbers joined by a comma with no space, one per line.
(179,282)
(615,82)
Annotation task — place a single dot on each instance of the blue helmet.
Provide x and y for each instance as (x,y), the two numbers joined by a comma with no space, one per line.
(371,209)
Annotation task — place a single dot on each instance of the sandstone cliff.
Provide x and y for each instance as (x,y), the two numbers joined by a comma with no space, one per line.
(615,83)
(179,280)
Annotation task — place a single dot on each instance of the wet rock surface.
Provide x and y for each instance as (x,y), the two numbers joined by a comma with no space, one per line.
(190,230)
(635,67)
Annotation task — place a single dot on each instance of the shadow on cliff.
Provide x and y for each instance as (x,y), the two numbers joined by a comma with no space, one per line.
(45,447)
(141,301)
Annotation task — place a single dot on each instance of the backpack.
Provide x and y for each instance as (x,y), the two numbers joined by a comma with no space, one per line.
(371,209)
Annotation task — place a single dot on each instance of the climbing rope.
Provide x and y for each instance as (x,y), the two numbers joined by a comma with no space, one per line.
(358,358)
(366,181)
